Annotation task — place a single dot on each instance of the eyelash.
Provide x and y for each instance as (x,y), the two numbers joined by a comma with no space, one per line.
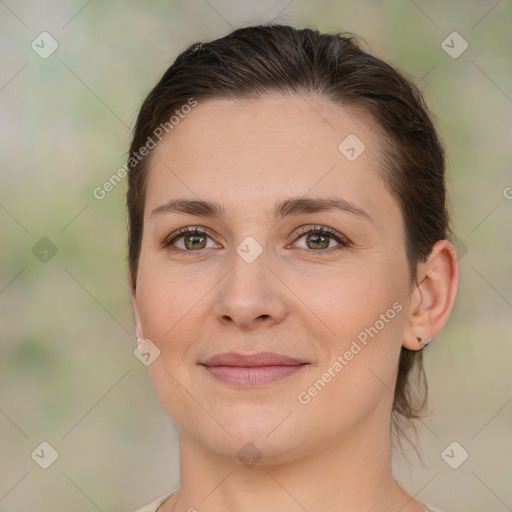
(322,230)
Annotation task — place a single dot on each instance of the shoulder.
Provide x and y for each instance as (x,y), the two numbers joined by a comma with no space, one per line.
(153,506)
(430,508)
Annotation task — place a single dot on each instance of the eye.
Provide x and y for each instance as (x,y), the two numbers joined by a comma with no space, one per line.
(193,238)
(318,238)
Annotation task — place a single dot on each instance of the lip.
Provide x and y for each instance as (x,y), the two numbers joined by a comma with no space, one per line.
(250,370)
(249,360)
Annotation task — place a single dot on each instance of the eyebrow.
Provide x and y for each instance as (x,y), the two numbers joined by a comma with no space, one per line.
(287,207)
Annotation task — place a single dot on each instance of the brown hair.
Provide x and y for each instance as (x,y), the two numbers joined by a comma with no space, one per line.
(265,59)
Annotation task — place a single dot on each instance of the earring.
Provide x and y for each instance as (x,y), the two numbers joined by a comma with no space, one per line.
(425,343)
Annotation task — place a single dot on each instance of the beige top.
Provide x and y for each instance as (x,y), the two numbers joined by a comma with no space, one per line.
(153,506)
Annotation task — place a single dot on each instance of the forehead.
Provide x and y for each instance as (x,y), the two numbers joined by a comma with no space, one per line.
(271,121)
(262,149)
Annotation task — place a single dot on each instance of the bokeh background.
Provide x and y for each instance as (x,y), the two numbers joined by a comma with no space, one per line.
(68,375)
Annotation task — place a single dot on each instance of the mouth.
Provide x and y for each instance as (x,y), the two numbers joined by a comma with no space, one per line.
(244,370)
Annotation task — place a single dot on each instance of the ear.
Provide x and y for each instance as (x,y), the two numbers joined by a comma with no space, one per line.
(138,326)
(432,299)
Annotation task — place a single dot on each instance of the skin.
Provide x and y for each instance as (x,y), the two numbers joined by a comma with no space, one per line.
(332,454)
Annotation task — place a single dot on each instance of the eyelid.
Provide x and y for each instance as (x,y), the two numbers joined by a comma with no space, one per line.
(320,229)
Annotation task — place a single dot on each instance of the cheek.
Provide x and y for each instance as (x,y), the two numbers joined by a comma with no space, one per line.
(175,306)
(358,373)
(172,309)
(355,298)
(165,295)
(163,301)
(366,314)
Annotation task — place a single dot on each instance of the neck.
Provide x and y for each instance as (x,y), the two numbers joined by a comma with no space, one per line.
(342,475)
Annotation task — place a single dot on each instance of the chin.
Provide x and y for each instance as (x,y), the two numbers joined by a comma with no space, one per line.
(262,433)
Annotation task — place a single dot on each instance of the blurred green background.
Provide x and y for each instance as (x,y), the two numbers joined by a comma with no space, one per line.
(67,372)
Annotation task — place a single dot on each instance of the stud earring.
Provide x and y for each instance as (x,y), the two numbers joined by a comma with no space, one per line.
(425,343)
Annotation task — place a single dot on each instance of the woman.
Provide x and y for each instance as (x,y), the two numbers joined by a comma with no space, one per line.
(289,261)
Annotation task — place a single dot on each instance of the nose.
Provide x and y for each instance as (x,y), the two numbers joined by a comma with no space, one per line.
(250,295)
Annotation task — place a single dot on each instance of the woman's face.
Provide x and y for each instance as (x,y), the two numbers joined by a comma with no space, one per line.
(258,282)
